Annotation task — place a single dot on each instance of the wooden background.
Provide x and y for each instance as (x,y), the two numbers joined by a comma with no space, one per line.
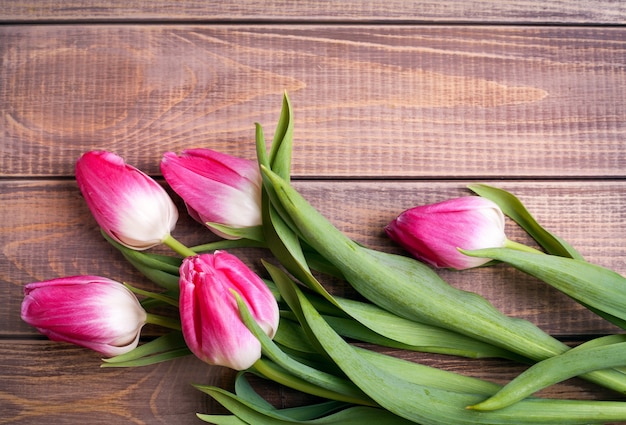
(397,103)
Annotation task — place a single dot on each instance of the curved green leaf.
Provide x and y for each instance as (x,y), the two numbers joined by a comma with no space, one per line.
(431,405)
(320,383)
(282,144)
(597,287)
(248,413)
(411,289)
(254,233)
(514,209)
(579,360)
(164,348)
(423,337)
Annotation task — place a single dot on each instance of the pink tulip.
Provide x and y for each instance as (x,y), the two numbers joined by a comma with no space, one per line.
(131,207)
(432,233)
(89,311)
(216,188)
(210,319)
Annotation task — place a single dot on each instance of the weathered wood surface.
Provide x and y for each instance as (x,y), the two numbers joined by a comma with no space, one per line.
(49,232)
(396,104)
(74,391)
(407,101)
(401,11)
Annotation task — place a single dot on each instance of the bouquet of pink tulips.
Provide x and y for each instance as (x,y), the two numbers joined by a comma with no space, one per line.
(288,327)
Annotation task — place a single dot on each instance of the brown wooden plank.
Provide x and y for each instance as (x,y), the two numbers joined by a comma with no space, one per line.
(61,384)
(398,101)
(45,382)
(403,11)
(48,232)
(373,98)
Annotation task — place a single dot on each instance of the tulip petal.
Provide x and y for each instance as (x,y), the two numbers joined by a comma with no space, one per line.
(89,311)
(209,313)
(130,207)
(216,187)
(433,233)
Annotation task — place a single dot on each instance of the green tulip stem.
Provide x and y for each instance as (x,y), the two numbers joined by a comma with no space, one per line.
(521,247)
(153,295)
(178,247)
(228,244)
(166,322)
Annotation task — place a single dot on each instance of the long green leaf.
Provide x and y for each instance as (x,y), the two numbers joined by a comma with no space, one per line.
(248,413)
(155,261)
(282,145)
(425,337)
(227,244)
(154,359)
(254,233)
(325,384)
(595,286)
(160,269)
(152,352)
(428,376)
(307,380)
(579,360)
(513,208)
(245,391)
(409,288)
(290,335)
(430,405)
(413,290)
(165,298)
(319,410)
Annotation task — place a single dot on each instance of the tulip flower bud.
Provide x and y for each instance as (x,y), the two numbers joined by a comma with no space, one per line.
(131,207)
(216,188)
(433,233)
(89,311)
(210,319)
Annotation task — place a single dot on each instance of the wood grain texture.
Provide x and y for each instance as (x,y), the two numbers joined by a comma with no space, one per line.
(45,382)
(403,11)
(65,240)
(400,101)
(79,391)
(397,103)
